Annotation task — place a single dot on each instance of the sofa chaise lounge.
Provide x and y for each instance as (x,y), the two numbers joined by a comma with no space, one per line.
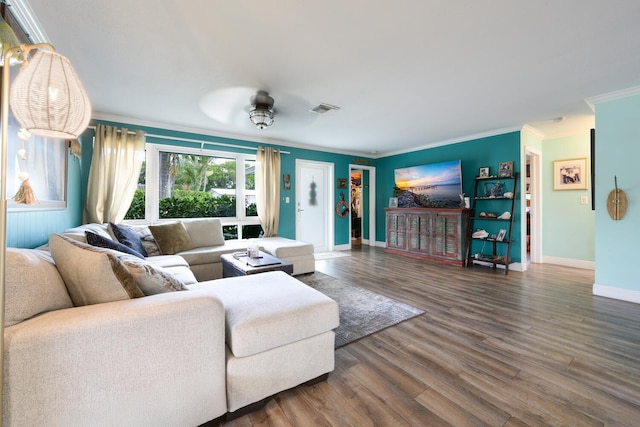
(98,337)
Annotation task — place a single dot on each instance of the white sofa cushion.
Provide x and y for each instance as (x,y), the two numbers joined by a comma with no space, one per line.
(33,285)
(204,231)
(269,310)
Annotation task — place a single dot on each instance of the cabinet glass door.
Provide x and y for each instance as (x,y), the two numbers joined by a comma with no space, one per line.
(419,232)
(445,235)
(396,231)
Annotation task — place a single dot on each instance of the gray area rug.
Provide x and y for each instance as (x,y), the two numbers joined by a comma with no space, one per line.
(362,312)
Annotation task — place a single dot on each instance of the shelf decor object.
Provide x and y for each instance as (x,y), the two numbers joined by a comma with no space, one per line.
(47,99)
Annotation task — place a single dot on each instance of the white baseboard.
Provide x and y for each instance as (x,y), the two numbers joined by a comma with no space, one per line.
(346,247)
(569,262)
(616,293)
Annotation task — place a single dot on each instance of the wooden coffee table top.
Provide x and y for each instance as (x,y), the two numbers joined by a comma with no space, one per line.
(239,264)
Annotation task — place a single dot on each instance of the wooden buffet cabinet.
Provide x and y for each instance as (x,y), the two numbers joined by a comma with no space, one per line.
(431,233)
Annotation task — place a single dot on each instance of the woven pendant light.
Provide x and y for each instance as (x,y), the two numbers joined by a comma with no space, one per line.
(47,97)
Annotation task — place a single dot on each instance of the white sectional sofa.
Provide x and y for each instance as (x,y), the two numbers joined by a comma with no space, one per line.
(204,244)
(98,337)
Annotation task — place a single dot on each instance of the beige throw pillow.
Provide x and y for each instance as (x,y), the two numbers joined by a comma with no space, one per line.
(171,238)
(33,285)
(92,275)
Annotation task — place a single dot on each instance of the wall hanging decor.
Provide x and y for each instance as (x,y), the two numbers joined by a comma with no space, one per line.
(616,202)
(342,208)
(570,174)
(313,194)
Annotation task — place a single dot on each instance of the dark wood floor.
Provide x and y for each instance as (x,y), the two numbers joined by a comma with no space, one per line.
(533,348)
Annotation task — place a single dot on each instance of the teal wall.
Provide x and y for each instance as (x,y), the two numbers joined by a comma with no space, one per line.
(31,229)
(474,154)
(617,154)
(568,227)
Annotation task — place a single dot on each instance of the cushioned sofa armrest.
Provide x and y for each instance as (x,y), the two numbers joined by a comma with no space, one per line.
(157,360)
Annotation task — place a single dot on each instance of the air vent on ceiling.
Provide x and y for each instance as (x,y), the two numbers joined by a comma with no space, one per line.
(323,108)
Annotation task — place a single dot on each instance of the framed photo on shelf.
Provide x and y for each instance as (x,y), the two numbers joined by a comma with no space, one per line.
(342,182)
(393,202)
(501,235)
(505,169)
(570,174)
(483,172)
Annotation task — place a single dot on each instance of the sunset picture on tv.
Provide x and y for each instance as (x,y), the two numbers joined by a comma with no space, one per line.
(437,185)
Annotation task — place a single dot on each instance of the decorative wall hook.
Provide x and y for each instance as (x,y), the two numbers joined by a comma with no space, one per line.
(616,202)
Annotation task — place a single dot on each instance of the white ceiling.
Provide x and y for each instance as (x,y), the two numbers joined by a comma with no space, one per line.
(405,74)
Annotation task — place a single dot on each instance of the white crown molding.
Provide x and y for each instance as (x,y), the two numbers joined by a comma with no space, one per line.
(236,137)
(612,96)
(451,141)
(23,13)
(535,132)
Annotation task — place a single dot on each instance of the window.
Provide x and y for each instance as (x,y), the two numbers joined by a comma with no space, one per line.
(177,182)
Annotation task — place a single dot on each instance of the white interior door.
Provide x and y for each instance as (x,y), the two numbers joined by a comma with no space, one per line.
(314,193)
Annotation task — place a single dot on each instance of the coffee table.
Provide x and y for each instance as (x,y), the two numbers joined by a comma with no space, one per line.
(239,264)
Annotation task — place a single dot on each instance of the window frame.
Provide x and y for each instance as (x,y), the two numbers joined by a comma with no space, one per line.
(152,186)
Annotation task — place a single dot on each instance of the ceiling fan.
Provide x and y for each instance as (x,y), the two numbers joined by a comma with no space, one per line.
(242,107)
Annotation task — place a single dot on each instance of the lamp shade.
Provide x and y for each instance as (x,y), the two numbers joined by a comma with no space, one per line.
(47,97)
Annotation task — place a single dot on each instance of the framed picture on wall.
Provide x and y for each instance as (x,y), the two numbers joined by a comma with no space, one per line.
(342,182)
(570,174)
(505,169)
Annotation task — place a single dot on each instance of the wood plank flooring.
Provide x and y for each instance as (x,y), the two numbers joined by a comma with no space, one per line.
(533,348)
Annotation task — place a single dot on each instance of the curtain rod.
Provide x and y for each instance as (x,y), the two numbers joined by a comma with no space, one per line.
(198,141)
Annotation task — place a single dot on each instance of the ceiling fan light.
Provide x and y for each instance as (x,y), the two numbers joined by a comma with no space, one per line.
(261,113)
(48,99)
(261,116)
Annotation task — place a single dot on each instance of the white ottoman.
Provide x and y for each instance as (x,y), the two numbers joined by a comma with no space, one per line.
(298,253)
(279,334)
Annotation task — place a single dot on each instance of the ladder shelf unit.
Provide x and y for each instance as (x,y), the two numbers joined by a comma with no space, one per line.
(491,233)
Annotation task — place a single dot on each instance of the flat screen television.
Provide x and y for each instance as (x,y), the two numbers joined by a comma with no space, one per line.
(437,185)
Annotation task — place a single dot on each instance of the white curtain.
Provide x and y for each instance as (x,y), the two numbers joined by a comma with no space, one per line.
(115,167)
(268,189)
